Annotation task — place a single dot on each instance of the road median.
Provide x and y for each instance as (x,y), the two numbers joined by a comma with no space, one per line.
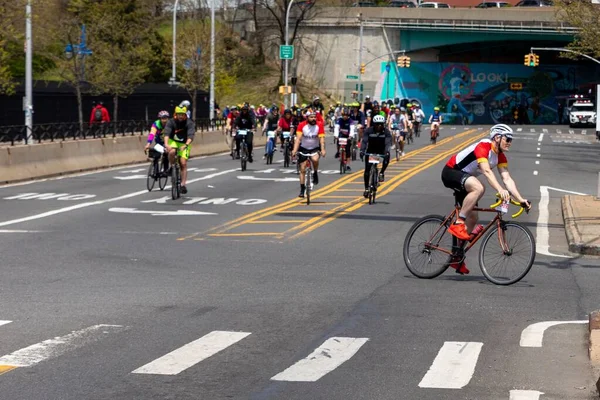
(581,215)
(34,161)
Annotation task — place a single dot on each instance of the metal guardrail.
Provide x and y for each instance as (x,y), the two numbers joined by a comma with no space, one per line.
(17,134)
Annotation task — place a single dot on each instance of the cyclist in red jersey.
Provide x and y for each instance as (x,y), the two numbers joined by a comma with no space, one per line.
(460,174)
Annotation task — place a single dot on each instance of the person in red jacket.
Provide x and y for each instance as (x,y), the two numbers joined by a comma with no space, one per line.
(99,114)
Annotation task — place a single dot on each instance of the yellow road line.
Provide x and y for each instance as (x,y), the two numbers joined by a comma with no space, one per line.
(311,211)
(336,197)
(246,234)
(274,221)
(5,368)
(390,185)
(295,202)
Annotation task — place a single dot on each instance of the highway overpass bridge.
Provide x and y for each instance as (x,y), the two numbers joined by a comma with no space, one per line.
(462,59)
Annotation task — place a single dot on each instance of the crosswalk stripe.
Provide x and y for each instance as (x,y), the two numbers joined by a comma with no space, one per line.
(4,322)
(525,395)
(331,354)
(192,353)
(453,367)
(51,348)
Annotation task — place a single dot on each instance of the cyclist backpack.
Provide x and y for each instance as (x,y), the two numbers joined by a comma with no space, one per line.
(98,115)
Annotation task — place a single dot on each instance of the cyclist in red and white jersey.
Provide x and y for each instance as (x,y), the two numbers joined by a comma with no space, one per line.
(310,138)
(460,174)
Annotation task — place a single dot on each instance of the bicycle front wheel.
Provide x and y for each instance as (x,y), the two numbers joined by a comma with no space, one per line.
(373,184)
(152,174)
(174,182)
(308,183)
(422,247)
(163,176)
(507,254)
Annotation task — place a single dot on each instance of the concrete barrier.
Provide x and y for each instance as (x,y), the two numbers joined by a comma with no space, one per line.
(25,162)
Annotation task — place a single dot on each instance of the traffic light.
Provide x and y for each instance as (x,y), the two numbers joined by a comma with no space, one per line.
(527,60)
(532,60)
(536,60)
(403,61)
(362,68)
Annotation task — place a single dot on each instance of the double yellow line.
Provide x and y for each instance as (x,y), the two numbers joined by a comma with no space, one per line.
(327,215)
(386,188)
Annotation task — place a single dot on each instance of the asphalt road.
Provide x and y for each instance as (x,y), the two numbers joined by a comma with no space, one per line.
(240,291)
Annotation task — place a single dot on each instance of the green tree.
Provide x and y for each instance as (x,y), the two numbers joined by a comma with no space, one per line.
(584,15)
(121,36)
(10,36)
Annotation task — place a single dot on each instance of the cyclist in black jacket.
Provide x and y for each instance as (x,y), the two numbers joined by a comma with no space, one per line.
(376,140)
(245,121)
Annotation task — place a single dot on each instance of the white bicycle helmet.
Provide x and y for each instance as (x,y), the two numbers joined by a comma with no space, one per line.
(501,129)
(378,119)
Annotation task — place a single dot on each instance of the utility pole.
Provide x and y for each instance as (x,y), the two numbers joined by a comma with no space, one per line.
(28,106)
(211,106)
(287,31)
(360,50)
(173,79)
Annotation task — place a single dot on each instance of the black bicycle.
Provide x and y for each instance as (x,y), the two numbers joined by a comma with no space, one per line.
(308,174)
(374,160)
(243,148)
(157,170)
(176,178)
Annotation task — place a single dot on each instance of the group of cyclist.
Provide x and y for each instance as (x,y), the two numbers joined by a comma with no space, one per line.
(375,127)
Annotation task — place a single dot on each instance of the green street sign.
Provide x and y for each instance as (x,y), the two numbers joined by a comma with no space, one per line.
(286,52)
(351,77)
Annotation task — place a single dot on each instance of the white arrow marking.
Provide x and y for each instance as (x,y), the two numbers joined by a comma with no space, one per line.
(524,395)
(533,335)
(158,213)
(127,178)
(254,178)
(542,233)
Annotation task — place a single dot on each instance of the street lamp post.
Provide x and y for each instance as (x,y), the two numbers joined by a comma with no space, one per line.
(360,50)
(28,106)
(211,107)
(173,79)
(287,29)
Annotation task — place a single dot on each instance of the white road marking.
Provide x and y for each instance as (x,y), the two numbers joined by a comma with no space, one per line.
(4,322)
(159,213)
(192,353)
(525,395)
(541,137)
(519,129)
(453,367)
(19,231)
(545,130)
(99,171)
(254,178)
(537,162)
(533,335)
(559,131)
(542,234)
(331,354)
(571,132)
(99,202)
(133,171)
(584,131)
(538,149)
(538,155)
(36,353)
(535,172)
(130,177)
(532,130)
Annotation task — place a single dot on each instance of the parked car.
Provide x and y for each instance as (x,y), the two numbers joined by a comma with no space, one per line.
(364,4)
(402,4)
(535,3)
(493,4)
(434,5)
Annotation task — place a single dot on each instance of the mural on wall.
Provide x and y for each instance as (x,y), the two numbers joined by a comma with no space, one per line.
(480,93)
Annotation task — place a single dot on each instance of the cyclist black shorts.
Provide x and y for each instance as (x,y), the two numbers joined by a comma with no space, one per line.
(455,179)
(302,158)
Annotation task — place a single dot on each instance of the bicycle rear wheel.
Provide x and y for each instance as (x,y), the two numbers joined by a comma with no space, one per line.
(243,156)
(286,155)
(507,255)
(342,160)
(421,247)
(175,190)
(152,174)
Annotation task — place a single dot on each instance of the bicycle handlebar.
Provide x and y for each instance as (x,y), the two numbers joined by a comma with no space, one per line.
(513,202)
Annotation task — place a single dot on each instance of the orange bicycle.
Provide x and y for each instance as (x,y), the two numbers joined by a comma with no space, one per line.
(506,254)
